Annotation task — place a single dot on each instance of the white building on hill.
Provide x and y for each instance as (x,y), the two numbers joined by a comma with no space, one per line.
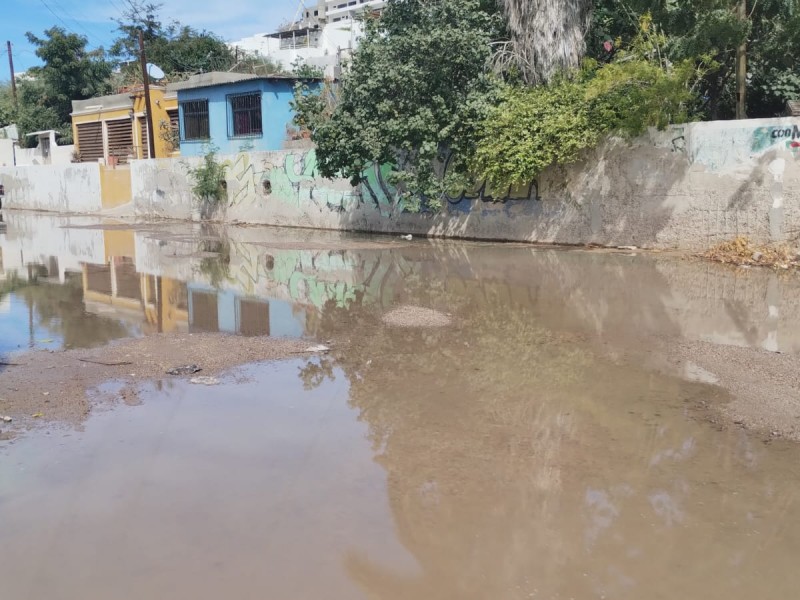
(325,33)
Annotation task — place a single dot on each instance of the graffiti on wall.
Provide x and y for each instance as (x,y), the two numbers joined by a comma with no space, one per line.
(292,178)
(786,136)
(387,198)
(289,177)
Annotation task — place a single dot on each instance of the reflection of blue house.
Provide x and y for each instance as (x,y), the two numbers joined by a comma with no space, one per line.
(224,310)
(234,112)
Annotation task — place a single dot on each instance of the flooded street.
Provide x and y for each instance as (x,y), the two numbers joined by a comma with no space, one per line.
(577,425)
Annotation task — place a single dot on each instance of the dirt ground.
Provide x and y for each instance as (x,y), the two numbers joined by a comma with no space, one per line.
(764,387)
(52,386)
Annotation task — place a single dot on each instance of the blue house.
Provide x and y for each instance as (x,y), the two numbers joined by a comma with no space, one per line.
(234,112)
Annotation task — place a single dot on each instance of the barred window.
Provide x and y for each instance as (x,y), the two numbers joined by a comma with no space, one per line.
(195,120)
(244,115)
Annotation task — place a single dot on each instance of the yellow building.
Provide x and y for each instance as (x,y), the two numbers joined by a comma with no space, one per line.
(113,128)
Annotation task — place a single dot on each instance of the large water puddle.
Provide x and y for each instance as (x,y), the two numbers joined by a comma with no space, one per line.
(540,446)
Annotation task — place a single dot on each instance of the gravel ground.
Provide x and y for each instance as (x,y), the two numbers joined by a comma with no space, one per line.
(52,386)
(764,386)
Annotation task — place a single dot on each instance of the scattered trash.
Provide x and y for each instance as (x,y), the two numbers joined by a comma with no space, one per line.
(7,419)
(627,247)
(204,380)
(37,415)
(45,393)
(184,370)
(46,341)
(408,237)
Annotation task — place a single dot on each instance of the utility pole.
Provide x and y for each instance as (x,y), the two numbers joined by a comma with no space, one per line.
(151,144)
(741,68)
(13,78)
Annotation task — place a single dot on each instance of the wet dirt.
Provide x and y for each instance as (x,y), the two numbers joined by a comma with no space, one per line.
(570,432)
(57,386)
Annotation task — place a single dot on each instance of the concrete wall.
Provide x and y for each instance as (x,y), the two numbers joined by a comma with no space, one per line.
(689,186)
(57,188)
(59,155)
(6,152)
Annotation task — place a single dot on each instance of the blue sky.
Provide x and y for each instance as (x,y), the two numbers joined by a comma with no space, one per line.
(93,19)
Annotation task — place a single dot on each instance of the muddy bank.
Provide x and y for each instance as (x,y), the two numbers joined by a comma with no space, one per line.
(53,386)
(762,388)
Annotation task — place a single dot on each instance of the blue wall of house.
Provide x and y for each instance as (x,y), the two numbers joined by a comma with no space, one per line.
(276,114)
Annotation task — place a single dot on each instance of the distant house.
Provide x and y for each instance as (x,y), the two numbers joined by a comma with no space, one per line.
(114,129)
(234,112)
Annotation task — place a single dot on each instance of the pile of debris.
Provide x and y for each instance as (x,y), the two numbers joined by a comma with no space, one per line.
(742,252)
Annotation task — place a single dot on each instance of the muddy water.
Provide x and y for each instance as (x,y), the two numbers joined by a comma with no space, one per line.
(541,446)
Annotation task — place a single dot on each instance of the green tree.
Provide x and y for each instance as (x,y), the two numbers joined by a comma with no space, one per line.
(711,29)
(416,90)
(535,127)
(174,47)
(37,113)
(6,105)
(70,72)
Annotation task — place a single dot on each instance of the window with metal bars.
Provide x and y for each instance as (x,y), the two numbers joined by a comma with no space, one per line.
(195,120)
(244,115)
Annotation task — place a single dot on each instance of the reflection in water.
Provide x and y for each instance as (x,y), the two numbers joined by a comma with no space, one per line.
(277,282)
(527,451)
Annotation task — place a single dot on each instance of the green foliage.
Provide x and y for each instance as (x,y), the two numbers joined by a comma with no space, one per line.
(70,72)
(533,128)
(641,88)
(303,70)
(6,105)
(174,47)
(209,179)
(417,89)
(35,113)
(708,32)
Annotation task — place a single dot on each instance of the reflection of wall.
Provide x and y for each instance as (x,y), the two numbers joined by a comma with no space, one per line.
(35,238)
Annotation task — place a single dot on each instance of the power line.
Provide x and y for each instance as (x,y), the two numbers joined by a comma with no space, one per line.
(64,23)
(83,19)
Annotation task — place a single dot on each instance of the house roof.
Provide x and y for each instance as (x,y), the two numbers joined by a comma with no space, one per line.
(110,102)
(44,131)
(793,108)
(216,78)
(114,101)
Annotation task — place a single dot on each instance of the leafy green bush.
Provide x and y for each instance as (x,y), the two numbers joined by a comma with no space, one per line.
(533,128)
(209,179)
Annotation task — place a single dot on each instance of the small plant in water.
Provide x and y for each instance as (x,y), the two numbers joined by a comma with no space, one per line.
(209,180)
